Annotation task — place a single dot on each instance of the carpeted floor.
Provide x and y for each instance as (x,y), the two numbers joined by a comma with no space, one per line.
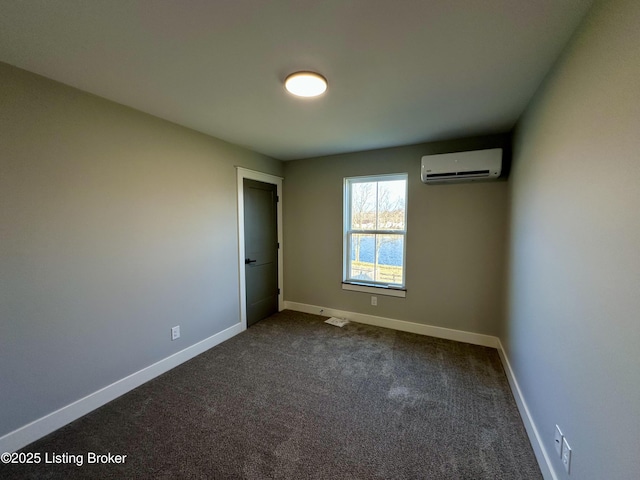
(295,398)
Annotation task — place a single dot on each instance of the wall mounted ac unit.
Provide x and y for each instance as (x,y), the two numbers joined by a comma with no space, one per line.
(478,165)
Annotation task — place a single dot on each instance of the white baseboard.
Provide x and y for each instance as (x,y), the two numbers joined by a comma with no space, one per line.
(43,426)
(541,453)
(419,328)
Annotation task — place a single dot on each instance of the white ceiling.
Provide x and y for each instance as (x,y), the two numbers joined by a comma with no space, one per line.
(399,71)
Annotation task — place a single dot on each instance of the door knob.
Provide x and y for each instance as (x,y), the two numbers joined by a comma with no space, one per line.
(247,261)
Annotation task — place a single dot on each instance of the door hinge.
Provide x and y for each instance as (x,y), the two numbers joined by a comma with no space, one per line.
(277,198)
(278,245)
(278,291)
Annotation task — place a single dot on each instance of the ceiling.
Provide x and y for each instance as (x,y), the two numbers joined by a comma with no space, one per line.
(400,72)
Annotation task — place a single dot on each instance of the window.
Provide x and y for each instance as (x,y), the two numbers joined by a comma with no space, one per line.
(375,226)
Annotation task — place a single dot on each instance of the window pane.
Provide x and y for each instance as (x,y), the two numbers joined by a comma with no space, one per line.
(391,202)
(362,259)
(390,255)
(363,206)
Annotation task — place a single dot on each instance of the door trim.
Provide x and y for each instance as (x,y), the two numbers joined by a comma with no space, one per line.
(277,181)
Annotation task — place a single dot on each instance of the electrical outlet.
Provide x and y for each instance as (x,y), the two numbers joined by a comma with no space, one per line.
(175,332)
(374,301)
(566,455)
(558,441)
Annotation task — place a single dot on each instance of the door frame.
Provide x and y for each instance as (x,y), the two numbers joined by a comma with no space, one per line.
(277,181)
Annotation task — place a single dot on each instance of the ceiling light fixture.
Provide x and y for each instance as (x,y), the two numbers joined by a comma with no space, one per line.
(305,84)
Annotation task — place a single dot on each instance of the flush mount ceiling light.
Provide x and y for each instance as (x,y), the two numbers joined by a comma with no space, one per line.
(305,84)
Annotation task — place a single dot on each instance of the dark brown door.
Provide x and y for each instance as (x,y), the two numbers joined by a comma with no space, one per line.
(260,249)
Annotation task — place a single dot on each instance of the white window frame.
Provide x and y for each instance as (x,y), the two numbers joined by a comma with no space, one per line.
(379,288)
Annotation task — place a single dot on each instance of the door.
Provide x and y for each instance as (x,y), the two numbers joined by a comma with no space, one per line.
(260,249)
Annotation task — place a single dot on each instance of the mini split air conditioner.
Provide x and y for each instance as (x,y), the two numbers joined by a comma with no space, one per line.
(479,165)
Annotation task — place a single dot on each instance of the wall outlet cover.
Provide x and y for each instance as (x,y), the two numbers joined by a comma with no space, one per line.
(558,437)
(175,333)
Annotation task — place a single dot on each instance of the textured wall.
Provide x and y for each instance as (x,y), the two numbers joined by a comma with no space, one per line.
(455,239)
(115,226)
(573,325)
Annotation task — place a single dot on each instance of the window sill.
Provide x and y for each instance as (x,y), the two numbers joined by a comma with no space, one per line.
(378,290)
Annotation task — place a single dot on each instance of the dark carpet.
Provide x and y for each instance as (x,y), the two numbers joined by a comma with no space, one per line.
(295,398)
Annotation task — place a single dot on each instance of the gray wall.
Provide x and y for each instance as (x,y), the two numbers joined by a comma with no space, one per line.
(573,330)
(455,239)
(115,226)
